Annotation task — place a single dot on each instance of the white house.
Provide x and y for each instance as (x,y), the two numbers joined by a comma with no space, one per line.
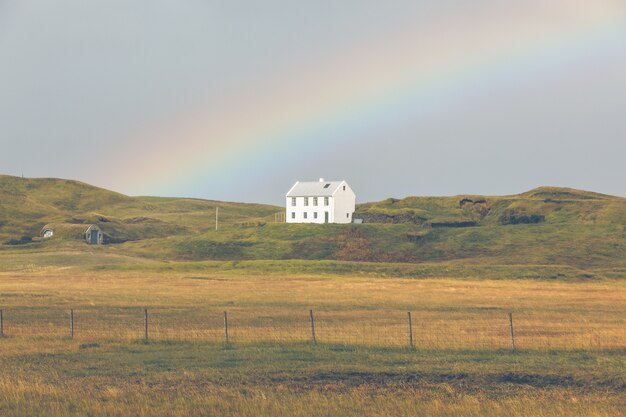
(320,202)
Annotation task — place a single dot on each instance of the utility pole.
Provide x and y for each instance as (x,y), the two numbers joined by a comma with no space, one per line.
(217,213)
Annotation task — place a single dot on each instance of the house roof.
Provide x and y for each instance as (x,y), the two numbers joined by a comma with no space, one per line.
(92,227)
(66,230)
(314,189)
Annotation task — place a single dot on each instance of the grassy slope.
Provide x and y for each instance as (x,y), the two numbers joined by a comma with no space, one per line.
(584,230)
(557,205)
(580,229)
(26,205)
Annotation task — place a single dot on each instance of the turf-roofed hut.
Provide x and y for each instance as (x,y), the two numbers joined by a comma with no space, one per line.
(92,234)
(47,232)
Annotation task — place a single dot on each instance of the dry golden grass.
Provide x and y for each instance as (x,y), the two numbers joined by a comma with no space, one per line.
(458,314)
(570,338)
(361,401)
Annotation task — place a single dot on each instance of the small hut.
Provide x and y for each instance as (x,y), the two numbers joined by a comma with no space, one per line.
(64,231)
(93,235)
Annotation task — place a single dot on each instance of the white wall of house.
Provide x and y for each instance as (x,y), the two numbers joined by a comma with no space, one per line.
(344,204)
(311,213)
(337,207)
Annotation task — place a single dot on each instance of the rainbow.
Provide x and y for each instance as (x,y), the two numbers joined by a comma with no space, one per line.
(360,94)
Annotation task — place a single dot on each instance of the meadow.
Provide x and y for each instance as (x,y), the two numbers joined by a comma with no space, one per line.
(552,259)
(569,359)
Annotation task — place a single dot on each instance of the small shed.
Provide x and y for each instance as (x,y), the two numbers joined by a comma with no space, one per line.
(93,235)
(47,233)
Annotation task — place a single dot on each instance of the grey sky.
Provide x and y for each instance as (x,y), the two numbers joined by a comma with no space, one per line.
(81,81)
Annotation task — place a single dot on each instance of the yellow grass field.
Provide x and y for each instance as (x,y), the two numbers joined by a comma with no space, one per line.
(570,339)
(460,314)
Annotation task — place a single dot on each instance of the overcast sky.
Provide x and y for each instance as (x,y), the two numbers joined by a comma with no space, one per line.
(236,100)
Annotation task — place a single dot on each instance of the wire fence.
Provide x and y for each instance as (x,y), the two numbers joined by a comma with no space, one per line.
(481,329)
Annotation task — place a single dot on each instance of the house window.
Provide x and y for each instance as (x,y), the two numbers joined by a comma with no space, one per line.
(293,214)
(347,215)
(315,201)
(326,199)
(327,185)
(305,214)
(293,201)
(344,188)
(315,215)
(306,201)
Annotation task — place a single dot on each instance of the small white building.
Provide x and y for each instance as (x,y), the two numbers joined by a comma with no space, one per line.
(320,202)
(93,235)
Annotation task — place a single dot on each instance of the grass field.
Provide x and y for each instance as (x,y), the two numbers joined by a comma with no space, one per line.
(55,378)
(554,258)
(570,358)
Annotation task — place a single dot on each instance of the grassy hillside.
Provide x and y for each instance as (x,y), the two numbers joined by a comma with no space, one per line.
(542,205)
(27,205)
(545,227)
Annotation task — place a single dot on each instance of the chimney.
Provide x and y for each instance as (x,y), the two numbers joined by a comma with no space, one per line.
(321,179)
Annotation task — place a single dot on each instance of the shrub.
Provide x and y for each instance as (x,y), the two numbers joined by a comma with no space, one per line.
(21,241)
(511,217)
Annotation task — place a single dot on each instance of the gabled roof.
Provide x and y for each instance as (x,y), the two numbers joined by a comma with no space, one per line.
(314,189)
(91,227)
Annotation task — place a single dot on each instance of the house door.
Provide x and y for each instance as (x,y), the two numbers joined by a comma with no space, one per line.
(326,217)
(93,237)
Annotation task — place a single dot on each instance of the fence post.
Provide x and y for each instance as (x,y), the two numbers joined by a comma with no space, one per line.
(313,339)
(1,325)
(145,323)
(512,331)
(71,323)
(225,327)
(410,330)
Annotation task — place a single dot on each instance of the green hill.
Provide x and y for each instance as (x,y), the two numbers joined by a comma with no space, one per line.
(545,204)
(27,205)
(543,228)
